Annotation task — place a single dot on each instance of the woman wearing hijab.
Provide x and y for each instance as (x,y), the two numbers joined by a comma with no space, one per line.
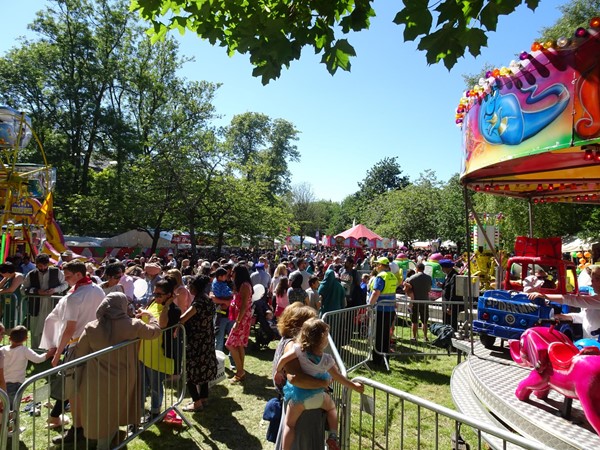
(108,386)
(332,293)
(333,296)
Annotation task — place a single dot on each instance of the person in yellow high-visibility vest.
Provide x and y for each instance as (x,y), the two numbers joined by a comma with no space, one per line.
(383,298)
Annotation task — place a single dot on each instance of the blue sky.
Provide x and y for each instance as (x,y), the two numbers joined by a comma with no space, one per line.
(391,103)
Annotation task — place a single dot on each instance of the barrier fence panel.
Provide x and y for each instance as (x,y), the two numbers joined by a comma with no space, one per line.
(350,329)
(402,327)
(12,313)
(4,417)
(110,393)
(387,418)
(338,392)
(27,310)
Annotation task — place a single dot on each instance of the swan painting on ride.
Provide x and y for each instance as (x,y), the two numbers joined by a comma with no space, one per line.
(503,121)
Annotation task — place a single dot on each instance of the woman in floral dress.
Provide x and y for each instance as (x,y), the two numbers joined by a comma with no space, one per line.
(240,311)
(202,363)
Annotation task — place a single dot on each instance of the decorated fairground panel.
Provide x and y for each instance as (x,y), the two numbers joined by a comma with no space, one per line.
(25,190)
(532,129)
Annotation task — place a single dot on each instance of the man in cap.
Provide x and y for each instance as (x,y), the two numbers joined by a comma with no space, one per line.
(384,299)
(260,276)
(152,273)
(449,294)
(64,257)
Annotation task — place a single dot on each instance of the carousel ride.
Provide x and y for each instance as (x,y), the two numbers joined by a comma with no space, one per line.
(532,131)
(26,190)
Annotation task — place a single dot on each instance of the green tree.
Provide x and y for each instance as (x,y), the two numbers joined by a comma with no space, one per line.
(451,213)
(576,13)
(301,201)
(262,149)
(409,214)
(352,209)
(384,176)
(274,32)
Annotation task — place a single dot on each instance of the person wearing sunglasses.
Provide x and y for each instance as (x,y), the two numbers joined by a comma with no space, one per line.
(156,365)
(112,274)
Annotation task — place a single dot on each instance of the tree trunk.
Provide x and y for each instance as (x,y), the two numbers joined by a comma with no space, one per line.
(220,241)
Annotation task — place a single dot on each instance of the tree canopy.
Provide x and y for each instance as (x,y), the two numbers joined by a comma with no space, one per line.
(274,32)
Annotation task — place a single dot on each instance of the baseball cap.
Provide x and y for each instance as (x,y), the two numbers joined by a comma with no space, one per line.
(446,263)
(383,260)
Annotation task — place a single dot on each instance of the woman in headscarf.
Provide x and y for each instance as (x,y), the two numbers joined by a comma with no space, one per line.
(108,389)
(332,293)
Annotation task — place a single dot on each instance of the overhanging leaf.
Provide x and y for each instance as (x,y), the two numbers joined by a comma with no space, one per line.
(416,18)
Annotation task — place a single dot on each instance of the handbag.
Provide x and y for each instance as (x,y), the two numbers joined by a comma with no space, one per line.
(60,385)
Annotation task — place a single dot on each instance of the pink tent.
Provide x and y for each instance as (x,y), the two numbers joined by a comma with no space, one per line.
(360,231)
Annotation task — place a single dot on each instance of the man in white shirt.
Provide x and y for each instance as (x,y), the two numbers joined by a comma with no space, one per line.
(301,268)
(62,329)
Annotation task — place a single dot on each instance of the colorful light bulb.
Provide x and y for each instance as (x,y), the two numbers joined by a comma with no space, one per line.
(536,47)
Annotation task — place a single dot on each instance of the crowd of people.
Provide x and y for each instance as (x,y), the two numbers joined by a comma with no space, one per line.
(103,304)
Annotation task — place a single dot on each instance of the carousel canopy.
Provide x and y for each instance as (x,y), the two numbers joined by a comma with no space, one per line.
(360,231)
(533,130)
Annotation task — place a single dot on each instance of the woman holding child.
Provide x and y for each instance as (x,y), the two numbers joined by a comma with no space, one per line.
(289,324)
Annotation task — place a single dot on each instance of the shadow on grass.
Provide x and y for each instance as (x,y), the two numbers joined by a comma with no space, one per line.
(165,435)
(219,427)
(260,353)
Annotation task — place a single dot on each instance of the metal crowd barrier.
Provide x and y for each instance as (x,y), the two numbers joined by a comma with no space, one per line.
(12,313)
(387,418)
(350,329)
(4,418)
(393,331)
(94,385)
(27,310)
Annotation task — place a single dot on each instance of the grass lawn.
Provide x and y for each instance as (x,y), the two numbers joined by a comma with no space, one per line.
(233,419)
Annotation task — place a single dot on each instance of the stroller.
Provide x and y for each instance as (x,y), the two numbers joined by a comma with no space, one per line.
(264,323)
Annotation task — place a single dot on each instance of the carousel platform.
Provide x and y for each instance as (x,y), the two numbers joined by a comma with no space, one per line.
(483,387)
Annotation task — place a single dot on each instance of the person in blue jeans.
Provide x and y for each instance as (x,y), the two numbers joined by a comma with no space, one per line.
(221,294)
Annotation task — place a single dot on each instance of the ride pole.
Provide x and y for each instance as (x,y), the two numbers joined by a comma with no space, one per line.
(530,210)
(469,302)
(2,245)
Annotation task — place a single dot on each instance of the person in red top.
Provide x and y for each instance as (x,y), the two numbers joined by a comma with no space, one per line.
(240,312)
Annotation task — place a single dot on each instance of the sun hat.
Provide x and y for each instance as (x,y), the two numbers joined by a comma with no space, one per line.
(152,268)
